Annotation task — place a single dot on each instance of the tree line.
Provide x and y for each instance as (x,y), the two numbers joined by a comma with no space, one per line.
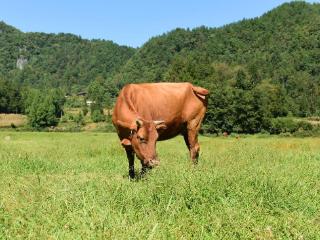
(257,70)
(45,107)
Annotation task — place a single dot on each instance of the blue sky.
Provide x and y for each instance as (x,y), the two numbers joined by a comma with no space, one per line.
(126,22)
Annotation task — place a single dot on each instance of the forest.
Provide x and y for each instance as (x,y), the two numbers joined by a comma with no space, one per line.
(261,72)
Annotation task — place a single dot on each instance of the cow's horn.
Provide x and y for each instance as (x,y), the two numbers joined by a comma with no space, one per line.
(160,125)
(139,122)
(158,122)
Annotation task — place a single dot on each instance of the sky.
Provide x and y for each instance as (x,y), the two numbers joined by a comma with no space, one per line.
(126,22)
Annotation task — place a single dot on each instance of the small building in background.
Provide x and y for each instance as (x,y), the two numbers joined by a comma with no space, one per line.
(89,102)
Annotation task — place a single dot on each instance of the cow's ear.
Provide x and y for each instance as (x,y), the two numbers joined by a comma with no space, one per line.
(160,125)
(125,142)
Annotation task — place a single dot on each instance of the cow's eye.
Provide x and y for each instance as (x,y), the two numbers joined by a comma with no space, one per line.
(141,139)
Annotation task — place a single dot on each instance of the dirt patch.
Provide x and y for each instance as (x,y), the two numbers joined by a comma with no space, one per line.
(8,120)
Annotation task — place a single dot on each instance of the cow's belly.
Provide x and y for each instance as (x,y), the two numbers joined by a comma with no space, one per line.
(171,131)
(167,136)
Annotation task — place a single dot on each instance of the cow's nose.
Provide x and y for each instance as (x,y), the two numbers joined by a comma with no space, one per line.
(154,162)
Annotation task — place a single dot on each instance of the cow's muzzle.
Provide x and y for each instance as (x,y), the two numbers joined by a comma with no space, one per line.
(152,163)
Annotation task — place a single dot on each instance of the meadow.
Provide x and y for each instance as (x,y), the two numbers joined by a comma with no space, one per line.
(76,186)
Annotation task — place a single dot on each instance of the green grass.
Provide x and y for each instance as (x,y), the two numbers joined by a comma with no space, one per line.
(75,186)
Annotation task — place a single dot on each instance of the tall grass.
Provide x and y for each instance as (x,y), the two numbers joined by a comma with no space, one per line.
(75,185)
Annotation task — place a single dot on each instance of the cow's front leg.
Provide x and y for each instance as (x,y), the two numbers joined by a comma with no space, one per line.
(145,168)
(130,156)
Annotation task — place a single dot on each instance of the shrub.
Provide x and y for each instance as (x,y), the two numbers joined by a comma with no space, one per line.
(97,116)
(306,126)
(64,119)
(79,119)
(289,125)
(283,125)
(44,108)
(85,110)
(285,134)
(41,112)
(74,102)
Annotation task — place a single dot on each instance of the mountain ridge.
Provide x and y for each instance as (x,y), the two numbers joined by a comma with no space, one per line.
(277,52)
(57,60)
(257,70)
(204,37)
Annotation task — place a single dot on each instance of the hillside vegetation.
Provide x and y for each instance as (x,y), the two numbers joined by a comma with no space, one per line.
(257,69)
(57,60)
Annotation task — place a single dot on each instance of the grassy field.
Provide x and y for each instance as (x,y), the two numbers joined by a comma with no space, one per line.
(75,186)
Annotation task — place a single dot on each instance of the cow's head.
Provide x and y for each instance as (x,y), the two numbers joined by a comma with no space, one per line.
(144,135)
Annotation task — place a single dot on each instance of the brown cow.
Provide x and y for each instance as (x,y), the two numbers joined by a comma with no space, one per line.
(145,113)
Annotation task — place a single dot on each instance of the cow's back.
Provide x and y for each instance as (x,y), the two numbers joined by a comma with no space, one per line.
(174,103)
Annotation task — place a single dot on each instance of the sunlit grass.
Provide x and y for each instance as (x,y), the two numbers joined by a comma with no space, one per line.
(75,185)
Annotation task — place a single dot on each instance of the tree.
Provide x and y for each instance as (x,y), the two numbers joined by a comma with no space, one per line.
(96,94)
(43,109)
(10,97)
(58,99)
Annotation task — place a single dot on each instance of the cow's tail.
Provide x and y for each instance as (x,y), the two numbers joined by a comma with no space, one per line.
(200,92)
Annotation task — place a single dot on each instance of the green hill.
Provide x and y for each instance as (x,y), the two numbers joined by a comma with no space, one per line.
(287,35)
(279,49)
(57,60)
(256,69)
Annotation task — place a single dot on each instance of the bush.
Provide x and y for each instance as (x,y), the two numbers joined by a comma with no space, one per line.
(85,110)
(41,113)
(283,125)
(64,119)
(314,132)
(74,102)
(44,109)
(289,125)
(285,134)
(79,119)
(304,134)
(306,126)
(109,128)
(97,116)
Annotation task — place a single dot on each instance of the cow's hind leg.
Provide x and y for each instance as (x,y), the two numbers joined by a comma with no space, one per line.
(191,140)
(191,137)
(130,156)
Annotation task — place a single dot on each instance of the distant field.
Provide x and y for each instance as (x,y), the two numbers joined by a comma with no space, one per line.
(75,185)
(17,119)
